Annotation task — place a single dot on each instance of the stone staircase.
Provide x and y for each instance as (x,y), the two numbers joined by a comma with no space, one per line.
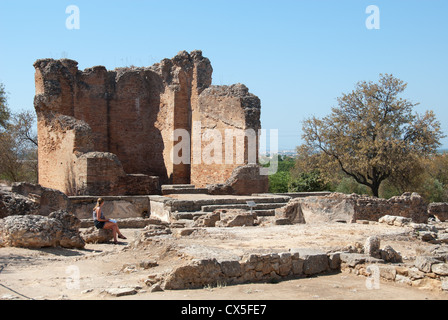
(261,205)
(182,189)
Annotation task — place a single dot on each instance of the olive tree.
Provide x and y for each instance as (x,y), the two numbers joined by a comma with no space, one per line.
(373,134)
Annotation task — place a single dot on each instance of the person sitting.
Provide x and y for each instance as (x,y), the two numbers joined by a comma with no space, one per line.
(101,222)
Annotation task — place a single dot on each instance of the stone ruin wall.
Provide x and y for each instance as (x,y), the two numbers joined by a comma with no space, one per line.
(111,132)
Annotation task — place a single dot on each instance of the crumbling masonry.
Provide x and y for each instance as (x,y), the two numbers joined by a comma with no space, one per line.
(111,132)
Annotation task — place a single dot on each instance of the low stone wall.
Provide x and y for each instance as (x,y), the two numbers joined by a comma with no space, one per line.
(119,207)
(251,268)
(353,207)
(427,272)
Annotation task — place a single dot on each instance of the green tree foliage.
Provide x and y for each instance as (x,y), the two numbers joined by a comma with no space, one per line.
(433,182)
(278,182)
(288,179)
(4,110)
(308,182)
(373,135)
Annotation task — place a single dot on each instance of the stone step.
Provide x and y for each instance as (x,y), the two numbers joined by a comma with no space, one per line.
(187,215)
(259,206)
(182,205)
(193,215)
(182,189)
(177,186)
(265,213)
(185,191)
(128,223)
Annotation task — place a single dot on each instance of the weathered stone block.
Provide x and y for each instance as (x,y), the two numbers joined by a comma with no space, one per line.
(387,272)
(94,235)
(231,268)
(314,261)
(388,254)
(424,263)
(372,246)
(34,231)
(440,268)
(234,218)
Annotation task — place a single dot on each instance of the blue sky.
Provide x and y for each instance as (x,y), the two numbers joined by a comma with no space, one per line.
(297,56)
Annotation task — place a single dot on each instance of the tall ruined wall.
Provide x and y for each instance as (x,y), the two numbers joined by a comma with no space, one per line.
(131,113)
(230,117)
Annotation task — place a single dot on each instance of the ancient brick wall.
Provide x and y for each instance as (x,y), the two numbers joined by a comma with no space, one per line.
(232,117)
(131,114)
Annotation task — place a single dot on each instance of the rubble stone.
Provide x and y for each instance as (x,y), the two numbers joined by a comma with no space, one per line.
(94,235)
(372,247)
(234,218)
(34,231)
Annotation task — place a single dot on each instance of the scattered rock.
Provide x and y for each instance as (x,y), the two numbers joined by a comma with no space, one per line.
(440,268)
(94,235)
(146,264)
(119,292)
(290,214)
(156,287)
(282,221)
(208,220)
(444,285)
(235,218)
(34,231)
(388,254)
(184,232)
(372,247)
(424,263)
(154,230)
(387,272)
(86,291)
(395,220)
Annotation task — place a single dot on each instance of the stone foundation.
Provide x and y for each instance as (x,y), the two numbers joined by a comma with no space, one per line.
(350,208)
(252,268)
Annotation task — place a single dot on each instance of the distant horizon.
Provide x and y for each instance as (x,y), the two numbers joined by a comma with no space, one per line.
(441,150)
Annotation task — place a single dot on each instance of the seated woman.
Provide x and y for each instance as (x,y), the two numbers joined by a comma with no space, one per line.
(102,223)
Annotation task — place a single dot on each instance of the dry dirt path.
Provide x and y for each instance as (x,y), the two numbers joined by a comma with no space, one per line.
(49,273)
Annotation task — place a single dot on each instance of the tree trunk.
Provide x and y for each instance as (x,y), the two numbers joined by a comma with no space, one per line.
(375,187)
